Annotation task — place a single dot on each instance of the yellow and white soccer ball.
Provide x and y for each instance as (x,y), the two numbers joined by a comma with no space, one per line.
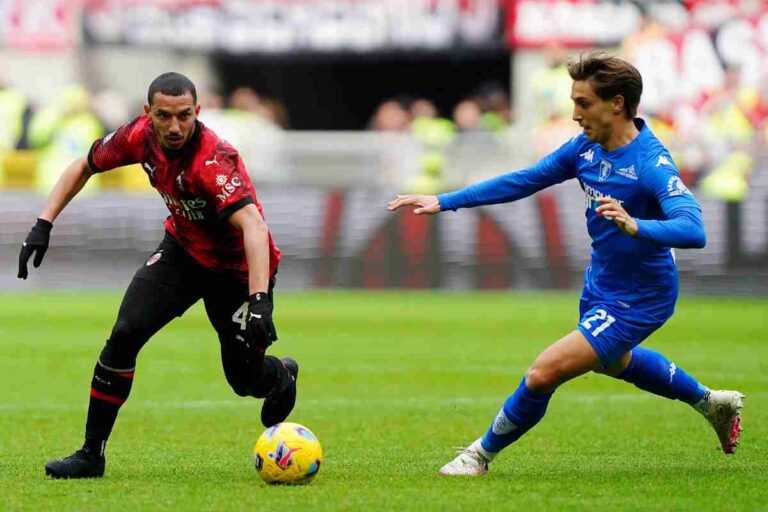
(287,453)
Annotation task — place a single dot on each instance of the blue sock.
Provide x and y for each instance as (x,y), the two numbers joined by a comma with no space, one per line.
(651,371)
(521,411)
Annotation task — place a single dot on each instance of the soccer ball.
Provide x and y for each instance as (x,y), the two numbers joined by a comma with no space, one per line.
(287,453)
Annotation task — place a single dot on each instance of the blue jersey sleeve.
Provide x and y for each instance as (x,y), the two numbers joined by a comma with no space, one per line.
(683,226)
(555,168)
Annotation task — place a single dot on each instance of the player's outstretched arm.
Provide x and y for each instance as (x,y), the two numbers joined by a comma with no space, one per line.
(260,328)
(72,181)
(501,189)
(423,204)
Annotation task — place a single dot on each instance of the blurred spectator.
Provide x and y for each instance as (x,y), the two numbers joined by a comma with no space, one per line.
(63,132)
(212,112)
(652,53)
(422,107)
(244,99)
(390,116)
(274,110)
(250,122)
(210,100)
(15,114)
(552,85)
(112,108)
(727,120)
(468,116)
(549,135)
(552,95)
(494,104)
(729,181)
(435,134)
(243,122)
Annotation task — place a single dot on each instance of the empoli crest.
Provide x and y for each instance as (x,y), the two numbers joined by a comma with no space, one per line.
(605,170)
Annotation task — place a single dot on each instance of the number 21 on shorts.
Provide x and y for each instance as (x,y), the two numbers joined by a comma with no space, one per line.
(600,315)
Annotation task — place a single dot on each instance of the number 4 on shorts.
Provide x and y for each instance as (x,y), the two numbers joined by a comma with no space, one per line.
(241,316)
(600,315)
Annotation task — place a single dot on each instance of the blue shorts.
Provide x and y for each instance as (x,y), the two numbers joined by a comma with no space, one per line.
(612,328)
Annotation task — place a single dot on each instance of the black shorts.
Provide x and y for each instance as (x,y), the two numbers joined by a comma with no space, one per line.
(168,284)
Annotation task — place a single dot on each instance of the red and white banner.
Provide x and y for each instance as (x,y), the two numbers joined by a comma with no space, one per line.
(42,25)
(269,26)
(586,23)
(573,23)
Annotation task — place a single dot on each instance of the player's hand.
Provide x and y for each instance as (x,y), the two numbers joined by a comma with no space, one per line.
(612,210)
(424,204)
(260,329)
(36,242)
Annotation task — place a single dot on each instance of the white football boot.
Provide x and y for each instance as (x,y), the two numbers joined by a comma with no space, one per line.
(723,411)
(469,462)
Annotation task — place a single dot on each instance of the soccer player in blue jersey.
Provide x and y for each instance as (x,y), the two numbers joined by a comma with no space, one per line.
(637,209)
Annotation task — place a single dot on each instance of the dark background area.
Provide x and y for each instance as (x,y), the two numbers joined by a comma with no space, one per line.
(342,92)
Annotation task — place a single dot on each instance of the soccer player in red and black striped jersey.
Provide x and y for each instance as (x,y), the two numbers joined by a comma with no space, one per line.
(217,247)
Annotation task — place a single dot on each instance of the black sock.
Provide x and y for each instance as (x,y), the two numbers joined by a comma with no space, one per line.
(109,390)
(273,374)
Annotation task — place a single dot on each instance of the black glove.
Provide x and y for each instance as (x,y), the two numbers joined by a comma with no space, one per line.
(37,240)
(260,330)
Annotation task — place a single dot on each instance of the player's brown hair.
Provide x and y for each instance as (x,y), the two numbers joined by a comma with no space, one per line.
(610,76)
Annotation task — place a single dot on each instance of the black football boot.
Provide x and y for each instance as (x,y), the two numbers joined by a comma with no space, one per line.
(80,464)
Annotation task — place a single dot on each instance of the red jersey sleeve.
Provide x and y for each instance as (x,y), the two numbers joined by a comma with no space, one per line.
(117,149)
(226,182)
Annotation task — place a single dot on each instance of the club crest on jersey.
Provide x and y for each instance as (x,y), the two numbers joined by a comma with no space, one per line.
(154,258)
(676,187)
(663,160)
(605,170)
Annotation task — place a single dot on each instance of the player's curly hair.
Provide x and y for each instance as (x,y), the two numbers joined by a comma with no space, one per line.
(610,76)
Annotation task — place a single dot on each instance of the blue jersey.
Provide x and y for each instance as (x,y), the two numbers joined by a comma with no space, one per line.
(634,272)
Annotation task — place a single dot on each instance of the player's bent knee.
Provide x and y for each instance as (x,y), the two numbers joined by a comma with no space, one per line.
(541,379)
(123,345)
(113,356)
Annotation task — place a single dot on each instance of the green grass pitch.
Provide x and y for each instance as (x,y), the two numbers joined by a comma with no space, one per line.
(390,382)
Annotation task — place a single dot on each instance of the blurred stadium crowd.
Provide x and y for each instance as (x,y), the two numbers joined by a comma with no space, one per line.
(39,141)
(442,93)
(705,97)
(716,129)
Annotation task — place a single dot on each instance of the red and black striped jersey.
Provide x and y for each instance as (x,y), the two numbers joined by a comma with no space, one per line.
(201,184)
